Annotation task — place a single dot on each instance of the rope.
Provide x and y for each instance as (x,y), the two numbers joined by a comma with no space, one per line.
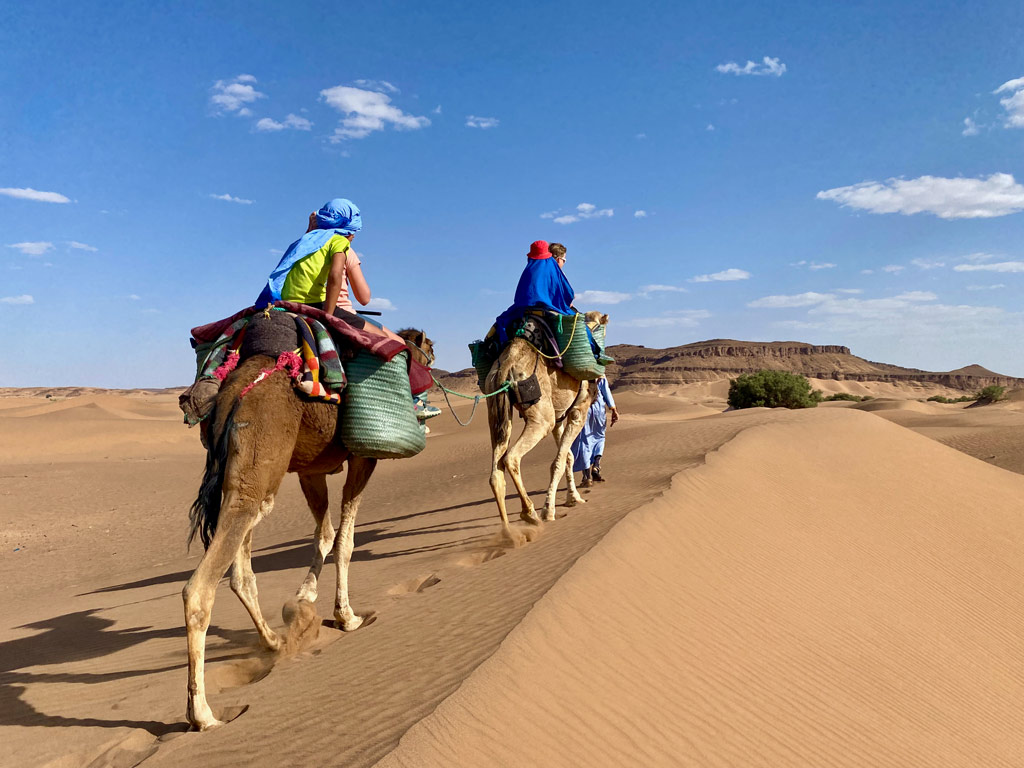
(475,398)
(568,344)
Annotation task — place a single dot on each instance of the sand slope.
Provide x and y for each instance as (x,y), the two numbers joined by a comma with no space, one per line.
(798,601)
(829,589)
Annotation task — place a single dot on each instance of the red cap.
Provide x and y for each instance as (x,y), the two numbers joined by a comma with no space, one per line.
(539,250)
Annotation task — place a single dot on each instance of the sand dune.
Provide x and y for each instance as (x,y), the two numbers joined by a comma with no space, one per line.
(829,588)
(770,610)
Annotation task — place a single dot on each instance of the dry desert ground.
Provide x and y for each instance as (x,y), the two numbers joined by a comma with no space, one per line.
(832,587)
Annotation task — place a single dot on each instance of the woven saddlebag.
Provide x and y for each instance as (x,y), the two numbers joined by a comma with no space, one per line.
(378,420)
(577,358)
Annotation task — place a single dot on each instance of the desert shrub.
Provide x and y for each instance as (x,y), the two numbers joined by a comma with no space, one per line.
(772,389)
(947,400)
(991,394)
(843,396)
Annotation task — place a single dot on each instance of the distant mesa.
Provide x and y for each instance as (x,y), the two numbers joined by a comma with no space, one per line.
(644,368)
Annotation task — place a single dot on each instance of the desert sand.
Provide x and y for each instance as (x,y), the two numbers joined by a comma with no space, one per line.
(831,587)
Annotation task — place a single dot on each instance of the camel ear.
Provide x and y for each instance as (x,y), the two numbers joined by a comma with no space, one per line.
(604,319)
(422,338)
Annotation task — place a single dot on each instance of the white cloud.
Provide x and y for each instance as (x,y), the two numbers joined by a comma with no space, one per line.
(685,318)
(81,246)
(768,66)
(366,112)
(378,85)
(893,269)
(914,319)
(849,290)
(1013,103)
(233,95)
(799,300)
(134,297)
(926,264)
(640,136)
(981,198)
(436,110)
(381,305)
(601,297)
(867,271)
(231,199)
(724,276)
(814,265)
(916,296)
(27,193)
(993,287)
(978,257)
(472,121)
(641,214)
(1000,266)
(32,249)
(710,127)
(23,299)
(970,128)
(583,211)
(658,288)
(292,121)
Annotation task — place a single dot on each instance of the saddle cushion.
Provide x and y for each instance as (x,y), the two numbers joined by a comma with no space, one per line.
(269,336)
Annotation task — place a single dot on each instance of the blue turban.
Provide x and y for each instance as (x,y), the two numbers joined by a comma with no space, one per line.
(338,217)
(340,214)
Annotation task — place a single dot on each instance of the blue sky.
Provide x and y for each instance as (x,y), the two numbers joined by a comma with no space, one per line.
(832,173)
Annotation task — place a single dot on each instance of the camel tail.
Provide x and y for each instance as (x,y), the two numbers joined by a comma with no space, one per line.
(205,510)
(500,405)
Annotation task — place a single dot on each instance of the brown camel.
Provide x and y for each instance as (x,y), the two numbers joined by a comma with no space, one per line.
(561,412)
(251,444)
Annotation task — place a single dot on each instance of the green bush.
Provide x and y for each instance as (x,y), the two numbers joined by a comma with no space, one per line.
(947,400)
(991,394)
(772,389)
(844,396)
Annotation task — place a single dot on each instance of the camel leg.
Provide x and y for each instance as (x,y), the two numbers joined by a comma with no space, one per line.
(498,482)
(315,489)
(570,429)
(243,583)
(233,528)
(572,496)
(536,429)
(359,471)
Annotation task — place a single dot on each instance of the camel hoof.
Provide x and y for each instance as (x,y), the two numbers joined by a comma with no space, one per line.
(272,642)
(529,517)
(354,622)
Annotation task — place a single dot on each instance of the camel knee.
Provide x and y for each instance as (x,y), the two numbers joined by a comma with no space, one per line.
(197,608)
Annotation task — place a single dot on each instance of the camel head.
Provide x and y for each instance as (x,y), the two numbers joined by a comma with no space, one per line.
(421,349)
(595,319)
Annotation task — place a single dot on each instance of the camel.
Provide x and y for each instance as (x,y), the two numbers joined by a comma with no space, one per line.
(251,444)
(561,412)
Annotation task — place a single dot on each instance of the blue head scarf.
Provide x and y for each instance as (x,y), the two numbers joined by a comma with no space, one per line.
(337,217)
(542,285)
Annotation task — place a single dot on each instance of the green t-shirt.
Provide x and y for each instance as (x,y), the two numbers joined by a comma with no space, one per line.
(307,281)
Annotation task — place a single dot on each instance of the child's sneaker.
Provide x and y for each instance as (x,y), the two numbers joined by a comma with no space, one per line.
(423,409)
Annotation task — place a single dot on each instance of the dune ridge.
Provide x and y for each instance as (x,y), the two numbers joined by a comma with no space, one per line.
(760,614)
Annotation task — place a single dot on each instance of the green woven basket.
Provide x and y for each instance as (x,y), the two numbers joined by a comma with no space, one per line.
(577,358)
(599,337)
(481,360)
(378,421)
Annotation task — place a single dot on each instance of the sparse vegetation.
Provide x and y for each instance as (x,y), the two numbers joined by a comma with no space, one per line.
(846,396)
(947,400)
(772,389)
(991,394)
